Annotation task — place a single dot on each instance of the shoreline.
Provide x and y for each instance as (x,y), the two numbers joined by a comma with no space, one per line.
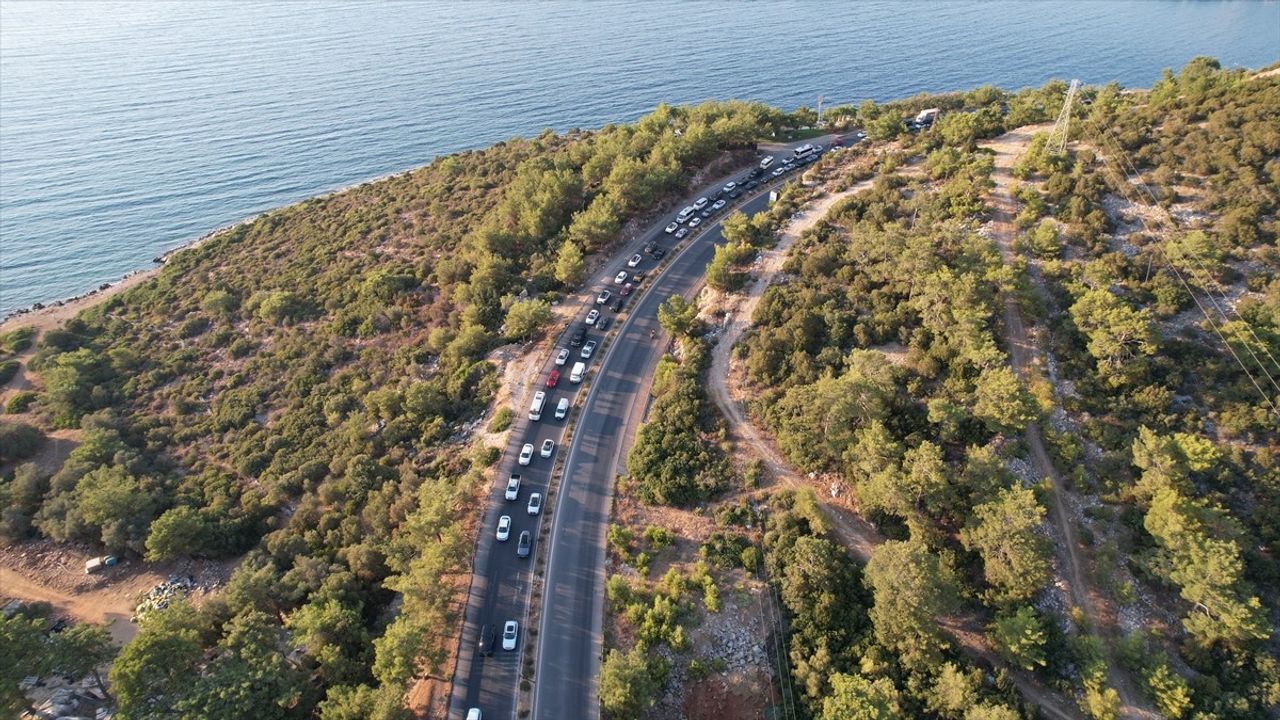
(47,315)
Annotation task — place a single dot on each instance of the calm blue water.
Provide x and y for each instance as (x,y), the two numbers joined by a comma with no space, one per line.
(127,129)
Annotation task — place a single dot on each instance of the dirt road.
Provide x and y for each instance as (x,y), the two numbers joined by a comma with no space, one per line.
(858,536)
(1022,353)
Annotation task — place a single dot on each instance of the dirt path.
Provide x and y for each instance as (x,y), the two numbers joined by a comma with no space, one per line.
(1022,352)
(853,532)
(112,609)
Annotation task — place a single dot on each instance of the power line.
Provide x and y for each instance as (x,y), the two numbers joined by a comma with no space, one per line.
(1208,273)
(1208,293)
(1187,287)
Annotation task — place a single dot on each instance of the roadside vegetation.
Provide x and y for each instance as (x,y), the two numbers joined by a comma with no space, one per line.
(300,390)
(879,367)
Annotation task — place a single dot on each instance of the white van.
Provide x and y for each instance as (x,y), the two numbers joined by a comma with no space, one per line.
(562,409)
(685,214)
(579,369)
(765,163)
(535,410)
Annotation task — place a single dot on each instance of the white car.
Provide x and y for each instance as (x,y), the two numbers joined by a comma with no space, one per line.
(526,454)
(513,485)
(510,632)
(695,223)
(587,348)
(635,260)
(548,448)
(563,356)
(717,205)
(700,203)
(504,528)
(681,233)
(562,409)
(778,171)
(473,714)
(729,186)
(672,227)
(603,297)
(620,278)
(592,317)
(535,504)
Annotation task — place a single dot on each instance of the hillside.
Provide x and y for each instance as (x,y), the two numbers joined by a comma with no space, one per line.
(297,390)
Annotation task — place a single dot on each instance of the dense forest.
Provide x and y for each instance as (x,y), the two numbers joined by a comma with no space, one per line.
(881,361)
(294,390)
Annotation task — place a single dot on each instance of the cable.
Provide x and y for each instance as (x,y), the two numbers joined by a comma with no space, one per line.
(1142,185)
(1187,287)
(1206,271)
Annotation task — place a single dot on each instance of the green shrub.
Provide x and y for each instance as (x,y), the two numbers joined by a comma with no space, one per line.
(20,402)
(502,419)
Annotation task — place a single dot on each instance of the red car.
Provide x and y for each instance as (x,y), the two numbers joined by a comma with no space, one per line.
(626,289)
(553,379)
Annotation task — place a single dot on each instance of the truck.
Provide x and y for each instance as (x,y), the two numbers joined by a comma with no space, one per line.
(535,410)
(579,369)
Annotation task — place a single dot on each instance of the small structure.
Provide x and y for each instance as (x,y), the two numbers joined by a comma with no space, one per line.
(93,565)
(926,117)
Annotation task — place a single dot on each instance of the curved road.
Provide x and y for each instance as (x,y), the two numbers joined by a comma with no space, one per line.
(569,636)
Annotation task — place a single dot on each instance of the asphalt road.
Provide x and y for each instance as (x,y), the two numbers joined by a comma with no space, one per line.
(569,652)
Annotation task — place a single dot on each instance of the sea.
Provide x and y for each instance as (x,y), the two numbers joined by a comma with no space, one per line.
(130,128)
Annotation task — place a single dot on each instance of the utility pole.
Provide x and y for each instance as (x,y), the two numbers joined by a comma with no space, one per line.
(1062,128)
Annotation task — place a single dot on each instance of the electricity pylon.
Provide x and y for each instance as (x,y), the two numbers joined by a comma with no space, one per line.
(1062,128)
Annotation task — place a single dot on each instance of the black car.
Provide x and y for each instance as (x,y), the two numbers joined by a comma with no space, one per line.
(648,248)
(617,304)
(735,194)
(718,194)
(755,172)
(658,252)
(602,324)
(708,213)
(488,638)
(753,184)
(578,336)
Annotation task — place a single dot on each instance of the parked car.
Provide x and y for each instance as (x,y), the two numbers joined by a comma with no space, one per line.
(603,297)
(548,448)
(681,233)
(617,304)
(672,227)
(602,324)
(620,278)
(504,528)
(626,290)
(658,253)
(563,356)
(718,204)
(737,193)
(637,277)
(553,379)
(474,714)
(526,454)
(510,632)
(778,171)
(587,350)
(592,317)
(578,336)
(700,203)
(513,486)
(535,504)
(695,223)
(488,638)
(635,260)
(649,246)
(729,186)
(524,544)
(562,409)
